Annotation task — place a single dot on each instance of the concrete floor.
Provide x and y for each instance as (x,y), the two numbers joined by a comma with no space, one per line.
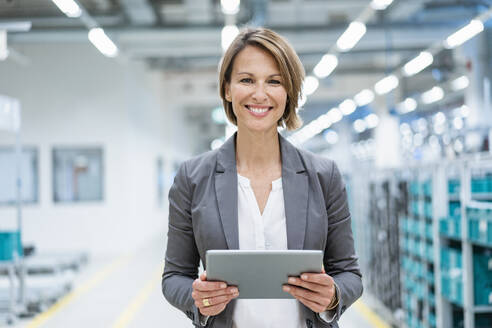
(125,292)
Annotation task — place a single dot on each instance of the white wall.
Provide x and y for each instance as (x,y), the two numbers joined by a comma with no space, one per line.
(71,95)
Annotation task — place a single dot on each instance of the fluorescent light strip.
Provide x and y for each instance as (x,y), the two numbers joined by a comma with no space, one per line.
(351,36)
(464,34)
(386,84)
(364,97)
(433,95)
(4,51)
(102,42)
(380,4)
(406,106)
(68,7)
(229,32)
(460,83)
(417,64)
(347,107)
(326,66)
(230,7)
(310,85)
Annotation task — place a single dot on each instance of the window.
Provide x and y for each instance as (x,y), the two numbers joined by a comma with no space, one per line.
(28,169)
(77,175)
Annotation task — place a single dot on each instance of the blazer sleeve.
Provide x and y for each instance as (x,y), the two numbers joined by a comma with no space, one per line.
(182,257)
(339,258)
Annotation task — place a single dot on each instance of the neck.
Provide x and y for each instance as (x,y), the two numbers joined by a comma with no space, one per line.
(257,151)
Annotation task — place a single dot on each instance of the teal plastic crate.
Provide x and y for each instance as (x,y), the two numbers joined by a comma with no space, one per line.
(450,227)
(428,209)
(480,225)
(482,277)
(454,209)
(481,185)
(428,230)
(10,245)
(427,188)
(454,187)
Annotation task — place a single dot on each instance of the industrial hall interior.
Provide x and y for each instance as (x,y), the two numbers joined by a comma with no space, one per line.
(103,101)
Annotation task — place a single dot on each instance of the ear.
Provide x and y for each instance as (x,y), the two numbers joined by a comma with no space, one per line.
(227,89)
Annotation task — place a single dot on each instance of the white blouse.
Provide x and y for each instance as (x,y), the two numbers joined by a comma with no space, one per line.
(264,231)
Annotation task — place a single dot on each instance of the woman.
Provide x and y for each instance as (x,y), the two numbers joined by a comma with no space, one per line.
(260,192)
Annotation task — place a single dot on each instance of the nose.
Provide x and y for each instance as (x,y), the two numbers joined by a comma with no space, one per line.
(259,94)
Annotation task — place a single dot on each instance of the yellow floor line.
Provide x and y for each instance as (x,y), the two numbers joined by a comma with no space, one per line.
(82,289)
(372,317)
(132,309)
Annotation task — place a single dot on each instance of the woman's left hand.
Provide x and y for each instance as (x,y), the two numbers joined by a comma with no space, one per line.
(314,290)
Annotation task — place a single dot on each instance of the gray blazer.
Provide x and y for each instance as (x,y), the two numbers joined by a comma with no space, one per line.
(203,214)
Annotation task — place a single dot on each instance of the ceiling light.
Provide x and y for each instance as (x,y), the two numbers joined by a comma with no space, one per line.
(433,95)
(326,65)
(347,107)
(69,7)
(331,137)
(310,85)
(464,111)
(386,84)
(4,51)
(417,64)
(335,115)
(359,126)
(439,118)
(230,7)
(464,34)
(460,83)
(405,128)
(351,36)
(458,123)
(229,32)
(406,106)
(372,120)
(380,4)
(102,42)
(364,97)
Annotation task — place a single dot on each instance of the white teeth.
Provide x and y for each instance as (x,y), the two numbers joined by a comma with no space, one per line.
(258,110)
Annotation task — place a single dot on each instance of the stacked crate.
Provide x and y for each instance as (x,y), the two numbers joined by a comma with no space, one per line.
(417,265)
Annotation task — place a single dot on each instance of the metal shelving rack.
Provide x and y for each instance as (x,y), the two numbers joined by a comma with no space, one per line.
(445,240)
(11,262)
(418,252)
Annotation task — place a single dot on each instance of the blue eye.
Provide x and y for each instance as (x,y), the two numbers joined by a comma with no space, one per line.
(246,80)
(275,82)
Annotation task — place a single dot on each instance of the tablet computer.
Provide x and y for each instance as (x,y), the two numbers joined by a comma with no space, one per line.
(261,273)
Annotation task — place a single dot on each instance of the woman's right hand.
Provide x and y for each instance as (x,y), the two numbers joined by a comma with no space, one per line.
(212,297)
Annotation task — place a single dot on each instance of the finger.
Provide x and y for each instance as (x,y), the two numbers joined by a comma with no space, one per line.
(208,285)
(316,307)
(323,268)
(203,276)
(318,278)
(214,300)
(307,294)
(322,289)
(213,310)
(196,294)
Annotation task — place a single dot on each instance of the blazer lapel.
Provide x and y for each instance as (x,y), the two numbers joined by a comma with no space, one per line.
(226,191)
(295,186)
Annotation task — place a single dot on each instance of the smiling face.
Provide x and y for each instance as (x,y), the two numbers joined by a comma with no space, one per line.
(256,90)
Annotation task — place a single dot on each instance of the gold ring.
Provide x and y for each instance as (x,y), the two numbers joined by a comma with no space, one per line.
(206,302)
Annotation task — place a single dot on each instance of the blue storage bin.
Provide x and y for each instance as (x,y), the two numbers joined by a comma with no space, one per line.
(454,187)
(480,225)
(482,277)
(10,245)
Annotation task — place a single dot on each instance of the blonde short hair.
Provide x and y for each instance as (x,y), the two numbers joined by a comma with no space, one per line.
(290,66)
